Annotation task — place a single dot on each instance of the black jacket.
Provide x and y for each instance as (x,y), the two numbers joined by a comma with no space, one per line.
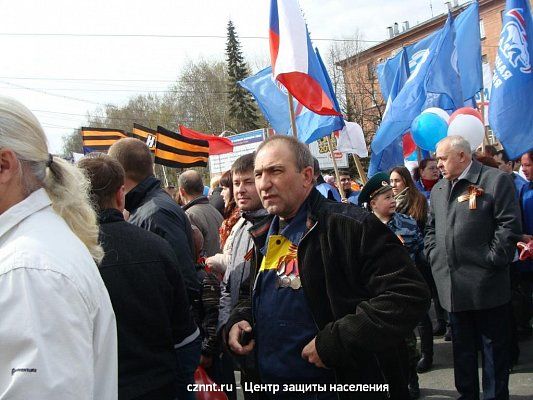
(364,291)
(150,303)
(151,208)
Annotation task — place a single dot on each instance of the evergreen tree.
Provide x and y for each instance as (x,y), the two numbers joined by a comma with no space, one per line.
(242,109)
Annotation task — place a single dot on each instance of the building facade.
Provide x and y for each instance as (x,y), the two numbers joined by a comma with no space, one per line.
(362,87)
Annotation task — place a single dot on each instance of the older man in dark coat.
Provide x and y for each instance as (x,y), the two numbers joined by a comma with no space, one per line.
(470,240)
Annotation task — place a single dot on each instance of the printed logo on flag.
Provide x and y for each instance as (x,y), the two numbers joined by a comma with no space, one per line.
(151,141)
(415,63)
(279,85)
(513,41)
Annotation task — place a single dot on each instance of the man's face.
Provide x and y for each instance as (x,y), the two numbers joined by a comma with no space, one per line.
(281,186)
(450,162)
(244,191)
(505,166)
(346,182)
(527,166)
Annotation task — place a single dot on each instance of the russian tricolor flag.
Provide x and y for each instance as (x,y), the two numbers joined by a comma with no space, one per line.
(294,63)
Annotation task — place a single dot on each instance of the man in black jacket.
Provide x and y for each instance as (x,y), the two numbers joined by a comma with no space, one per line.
(151,208)
(334,288)
(146,289)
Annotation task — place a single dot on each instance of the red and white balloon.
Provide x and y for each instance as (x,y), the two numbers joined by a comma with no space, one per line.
(468,123)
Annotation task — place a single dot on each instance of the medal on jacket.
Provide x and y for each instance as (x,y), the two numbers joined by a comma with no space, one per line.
(471,195)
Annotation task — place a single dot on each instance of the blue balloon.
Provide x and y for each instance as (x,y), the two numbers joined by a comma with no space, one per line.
(427,130)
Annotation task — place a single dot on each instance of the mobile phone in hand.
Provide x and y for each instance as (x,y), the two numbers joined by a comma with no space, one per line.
(245,338)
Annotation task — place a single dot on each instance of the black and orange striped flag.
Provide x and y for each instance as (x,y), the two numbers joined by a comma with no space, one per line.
(177,151)
(147,135)
(100,139)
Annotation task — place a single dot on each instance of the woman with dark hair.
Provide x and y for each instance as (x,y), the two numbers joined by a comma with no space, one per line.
(219,261)
(426,176)
(411,202)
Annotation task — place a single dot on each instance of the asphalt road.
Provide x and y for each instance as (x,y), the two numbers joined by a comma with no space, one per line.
(438,383)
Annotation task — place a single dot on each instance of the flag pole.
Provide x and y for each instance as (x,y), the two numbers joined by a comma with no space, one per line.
(482,110)
(165,175)
(337,176)
(360,168)
(293,118)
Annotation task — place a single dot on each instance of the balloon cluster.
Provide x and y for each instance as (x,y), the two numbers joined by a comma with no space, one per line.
(434,124)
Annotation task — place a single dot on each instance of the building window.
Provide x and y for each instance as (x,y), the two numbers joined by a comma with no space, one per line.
(484,59)
(481,29)
(370,69)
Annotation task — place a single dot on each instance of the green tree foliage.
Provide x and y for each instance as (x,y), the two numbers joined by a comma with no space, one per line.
(242,109)
(72,144)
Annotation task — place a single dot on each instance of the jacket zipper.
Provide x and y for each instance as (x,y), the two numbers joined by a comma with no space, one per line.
(303,288)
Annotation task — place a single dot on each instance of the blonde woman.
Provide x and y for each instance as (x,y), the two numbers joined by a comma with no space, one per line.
(57,326)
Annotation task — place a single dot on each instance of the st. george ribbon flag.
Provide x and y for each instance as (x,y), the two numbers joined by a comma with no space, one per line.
(435,81)
(294,63)
(273,101)
(392,155)
(510,111)
(468,44)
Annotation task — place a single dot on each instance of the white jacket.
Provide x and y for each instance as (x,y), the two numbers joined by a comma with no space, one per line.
(58,337)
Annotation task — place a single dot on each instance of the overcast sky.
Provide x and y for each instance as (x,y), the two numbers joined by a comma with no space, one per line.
(60,78)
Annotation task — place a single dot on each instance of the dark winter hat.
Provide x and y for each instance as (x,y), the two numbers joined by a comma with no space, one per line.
(378,184)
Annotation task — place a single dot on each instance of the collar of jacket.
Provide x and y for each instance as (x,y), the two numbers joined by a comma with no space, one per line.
(472,175)
(136,196)
(254,216)
(259,231)
(474,172)
(198,200)
(110,215)
(36,201)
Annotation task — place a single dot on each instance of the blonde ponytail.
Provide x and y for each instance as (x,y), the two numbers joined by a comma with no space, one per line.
(66,185)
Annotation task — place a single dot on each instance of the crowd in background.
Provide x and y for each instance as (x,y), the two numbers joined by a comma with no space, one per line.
(179,270)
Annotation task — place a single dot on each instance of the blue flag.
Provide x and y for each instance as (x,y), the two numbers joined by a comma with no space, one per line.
(273,101)
(468,45)
(392,155)
(433,82)
(511,105)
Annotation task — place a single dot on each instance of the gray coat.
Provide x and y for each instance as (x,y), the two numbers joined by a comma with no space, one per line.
(206,218)
(470,250)
(238,268)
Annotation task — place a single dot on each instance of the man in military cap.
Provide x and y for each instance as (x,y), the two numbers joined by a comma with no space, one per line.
(333,286)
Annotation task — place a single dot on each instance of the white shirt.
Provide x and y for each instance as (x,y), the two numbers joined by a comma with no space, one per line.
(58,337)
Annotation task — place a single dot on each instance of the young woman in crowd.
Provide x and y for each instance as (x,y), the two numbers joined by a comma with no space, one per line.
(410,201)
(219,261)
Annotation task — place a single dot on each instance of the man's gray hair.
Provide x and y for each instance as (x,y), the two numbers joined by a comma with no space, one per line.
(457,143)
(302,156)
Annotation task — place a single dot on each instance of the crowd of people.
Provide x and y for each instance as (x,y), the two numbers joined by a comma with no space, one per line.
(112,286)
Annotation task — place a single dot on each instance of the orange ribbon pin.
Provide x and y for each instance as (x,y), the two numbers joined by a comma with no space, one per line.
(471,195)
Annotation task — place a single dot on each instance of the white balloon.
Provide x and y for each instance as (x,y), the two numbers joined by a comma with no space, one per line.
(439,111)
(469,127)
